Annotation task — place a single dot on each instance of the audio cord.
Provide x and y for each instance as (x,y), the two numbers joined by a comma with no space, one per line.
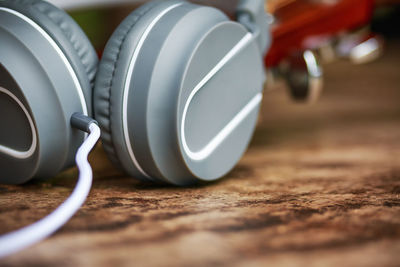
(31,234)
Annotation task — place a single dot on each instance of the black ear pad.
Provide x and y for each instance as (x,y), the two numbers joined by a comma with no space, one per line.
(110,62)
(67,34)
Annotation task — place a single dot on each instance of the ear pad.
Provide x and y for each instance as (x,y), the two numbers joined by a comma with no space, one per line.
(178,92)
(47,66)
(125,37)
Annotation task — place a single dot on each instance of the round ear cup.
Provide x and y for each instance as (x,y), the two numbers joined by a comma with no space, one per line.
(47,67)
(178,92)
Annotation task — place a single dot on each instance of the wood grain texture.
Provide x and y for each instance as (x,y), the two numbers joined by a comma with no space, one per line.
(319,186)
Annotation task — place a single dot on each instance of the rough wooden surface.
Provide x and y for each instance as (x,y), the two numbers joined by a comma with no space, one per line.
(320,186)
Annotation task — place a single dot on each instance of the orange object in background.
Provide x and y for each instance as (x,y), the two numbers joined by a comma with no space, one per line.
(297,20)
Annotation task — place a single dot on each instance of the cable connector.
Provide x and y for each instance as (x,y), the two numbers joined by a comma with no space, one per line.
(82,122)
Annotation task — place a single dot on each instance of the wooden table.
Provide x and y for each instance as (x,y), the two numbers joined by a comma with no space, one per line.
(320,186)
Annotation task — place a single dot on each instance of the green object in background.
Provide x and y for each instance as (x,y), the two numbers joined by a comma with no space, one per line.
(93,23)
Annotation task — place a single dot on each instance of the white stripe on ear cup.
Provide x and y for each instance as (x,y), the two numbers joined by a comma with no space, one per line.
(13,152)
(128,83)
(59,52)
(218,139)
(214,143)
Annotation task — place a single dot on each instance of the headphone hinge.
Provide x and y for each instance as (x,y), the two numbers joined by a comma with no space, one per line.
(251,14)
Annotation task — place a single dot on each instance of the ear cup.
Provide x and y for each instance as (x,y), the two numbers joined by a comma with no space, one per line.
(107,93)
(47,66)
(67,34)
(178,92)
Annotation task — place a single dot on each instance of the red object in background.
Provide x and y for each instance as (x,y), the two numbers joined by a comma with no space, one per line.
(302,19)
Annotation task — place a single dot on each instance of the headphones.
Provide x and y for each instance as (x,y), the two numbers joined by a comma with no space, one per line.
(176,94)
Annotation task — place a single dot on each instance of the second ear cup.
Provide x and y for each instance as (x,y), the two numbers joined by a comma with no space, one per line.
(177,93)
(49,65)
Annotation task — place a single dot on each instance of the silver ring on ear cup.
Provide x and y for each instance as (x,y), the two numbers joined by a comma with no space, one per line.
(108,94)
(128,83)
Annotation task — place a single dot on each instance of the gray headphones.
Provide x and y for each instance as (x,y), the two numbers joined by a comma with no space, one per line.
(177,91)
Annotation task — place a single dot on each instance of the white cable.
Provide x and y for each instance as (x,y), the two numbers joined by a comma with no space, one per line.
(29,235)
